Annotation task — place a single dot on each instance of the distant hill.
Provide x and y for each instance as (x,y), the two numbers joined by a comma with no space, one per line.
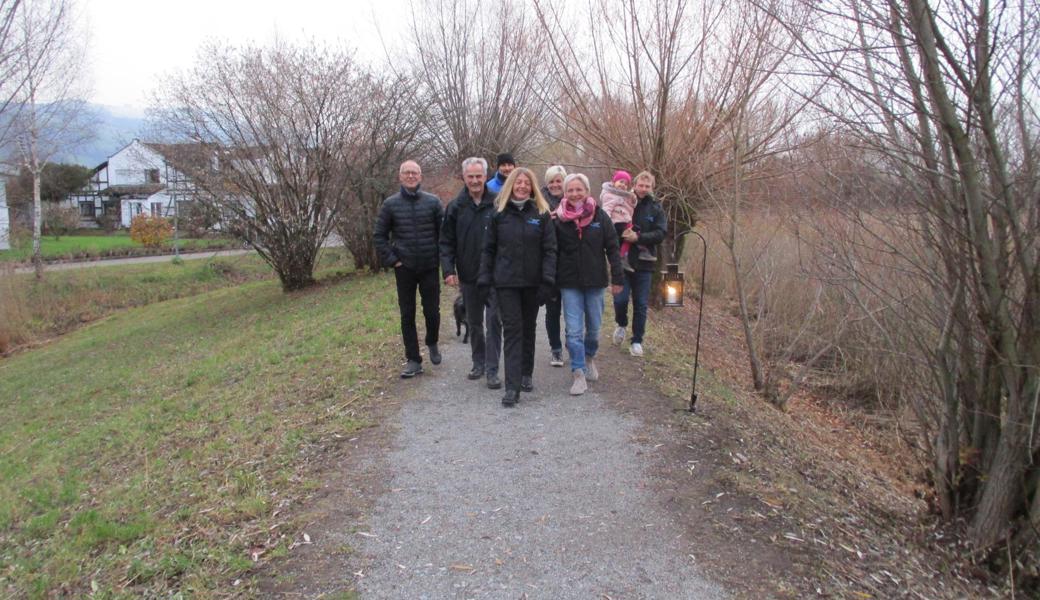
(116,127)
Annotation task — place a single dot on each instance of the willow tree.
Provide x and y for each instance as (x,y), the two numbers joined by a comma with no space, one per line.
(941,98)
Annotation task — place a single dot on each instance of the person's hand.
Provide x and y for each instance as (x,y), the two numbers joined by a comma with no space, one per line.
(398,264)
(545,293)
(629,236)
(616,289)
(451,280)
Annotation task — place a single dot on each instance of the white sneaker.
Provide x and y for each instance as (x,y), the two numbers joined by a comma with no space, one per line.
(636,349)
(591,372)
(619,335)
(579,386)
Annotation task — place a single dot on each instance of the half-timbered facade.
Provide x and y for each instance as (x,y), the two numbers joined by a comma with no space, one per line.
(138,179)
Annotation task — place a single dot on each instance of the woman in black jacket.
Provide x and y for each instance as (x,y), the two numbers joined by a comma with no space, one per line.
(586,241)
(519,260)
(552,191)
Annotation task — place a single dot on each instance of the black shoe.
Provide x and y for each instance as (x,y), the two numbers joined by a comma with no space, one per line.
(526,383)
(494,382)
(435,354)
(475,373)
(411,369)
(511,397)
(557,358)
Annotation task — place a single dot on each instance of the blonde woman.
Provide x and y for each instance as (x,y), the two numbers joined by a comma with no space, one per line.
(519,261)
(552,191)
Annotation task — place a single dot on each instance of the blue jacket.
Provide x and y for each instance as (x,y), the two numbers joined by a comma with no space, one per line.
(495,183)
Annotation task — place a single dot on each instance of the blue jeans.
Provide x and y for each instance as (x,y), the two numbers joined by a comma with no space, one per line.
(583,315)
(637,285)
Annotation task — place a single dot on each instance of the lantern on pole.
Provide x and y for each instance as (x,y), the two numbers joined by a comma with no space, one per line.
(672,290)
(672,286)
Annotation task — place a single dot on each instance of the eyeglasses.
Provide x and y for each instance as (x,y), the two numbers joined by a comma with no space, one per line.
(411,173)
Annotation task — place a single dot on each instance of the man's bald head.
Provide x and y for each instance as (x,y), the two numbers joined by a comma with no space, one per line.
(410,175)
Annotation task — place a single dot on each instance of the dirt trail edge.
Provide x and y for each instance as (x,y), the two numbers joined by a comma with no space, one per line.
(554,498)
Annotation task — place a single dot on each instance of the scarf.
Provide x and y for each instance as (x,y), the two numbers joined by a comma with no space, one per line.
(518,204)
(581,216)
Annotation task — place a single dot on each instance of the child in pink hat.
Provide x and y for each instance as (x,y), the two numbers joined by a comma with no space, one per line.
(619,203)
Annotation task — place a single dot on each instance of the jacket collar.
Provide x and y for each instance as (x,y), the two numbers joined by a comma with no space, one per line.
(411,195)
(487,199)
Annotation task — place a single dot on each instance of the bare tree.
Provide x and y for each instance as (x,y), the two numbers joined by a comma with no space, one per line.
(659,86)
(389,133)
(47,113)
(478,69)
(274,130)
(940,100)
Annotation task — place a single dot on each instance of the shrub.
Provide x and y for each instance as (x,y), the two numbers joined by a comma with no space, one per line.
(59,220)
(152,232)
(108,222)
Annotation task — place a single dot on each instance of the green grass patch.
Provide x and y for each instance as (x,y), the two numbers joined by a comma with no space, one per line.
(87,247)
(146,453)
(32,310)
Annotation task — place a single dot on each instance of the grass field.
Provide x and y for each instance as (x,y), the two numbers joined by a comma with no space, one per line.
(71,247)
(159,448)
(32,310)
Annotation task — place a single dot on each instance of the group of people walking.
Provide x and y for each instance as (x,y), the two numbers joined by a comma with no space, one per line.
(511,246)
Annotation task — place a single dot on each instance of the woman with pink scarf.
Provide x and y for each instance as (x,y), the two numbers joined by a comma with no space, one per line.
(586,241)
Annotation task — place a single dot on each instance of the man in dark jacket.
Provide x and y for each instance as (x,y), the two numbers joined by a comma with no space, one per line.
(407,236)
(462,242)
(504,163)
(651,223)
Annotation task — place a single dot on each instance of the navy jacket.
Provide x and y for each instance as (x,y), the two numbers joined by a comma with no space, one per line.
(408,229)
(582,259)
(519,249)
(462,235)
(649,217)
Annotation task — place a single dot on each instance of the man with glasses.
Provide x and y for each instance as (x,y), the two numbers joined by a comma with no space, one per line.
(407,236)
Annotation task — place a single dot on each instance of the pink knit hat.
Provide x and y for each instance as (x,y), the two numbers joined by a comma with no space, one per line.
(621,175)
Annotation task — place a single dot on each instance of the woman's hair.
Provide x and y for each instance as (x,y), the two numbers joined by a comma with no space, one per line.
(554,171)
(506,193)
(645,175)
(580,177)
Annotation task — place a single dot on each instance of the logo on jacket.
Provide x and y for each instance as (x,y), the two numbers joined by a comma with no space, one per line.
(534,222)
(594,226)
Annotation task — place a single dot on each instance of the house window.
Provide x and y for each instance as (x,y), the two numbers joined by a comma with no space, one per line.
(151,176)
(138,208)
(156,209)
(86,209)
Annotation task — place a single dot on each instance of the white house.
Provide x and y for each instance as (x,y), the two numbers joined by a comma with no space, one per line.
(5,219)
(137,179)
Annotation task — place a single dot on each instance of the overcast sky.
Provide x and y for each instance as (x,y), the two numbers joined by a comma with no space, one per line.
(133,42)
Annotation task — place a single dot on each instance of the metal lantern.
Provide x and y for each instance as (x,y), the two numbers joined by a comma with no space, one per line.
(672,286)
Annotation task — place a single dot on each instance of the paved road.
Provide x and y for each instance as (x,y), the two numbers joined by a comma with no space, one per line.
(551,499)
(136,260)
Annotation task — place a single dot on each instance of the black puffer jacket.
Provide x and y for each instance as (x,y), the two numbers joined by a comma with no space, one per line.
(462,235)
(408,230)
(649,217)
(519,249)
(582,259)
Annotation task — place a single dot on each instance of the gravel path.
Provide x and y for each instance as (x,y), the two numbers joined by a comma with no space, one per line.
(550,499)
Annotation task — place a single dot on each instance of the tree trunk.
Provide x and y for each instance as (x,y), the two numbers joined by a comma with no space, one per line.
(37,256)
(1003,492)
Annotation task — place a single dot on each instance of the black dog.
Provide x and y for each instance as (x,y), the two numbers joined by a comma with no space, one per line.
(460,319)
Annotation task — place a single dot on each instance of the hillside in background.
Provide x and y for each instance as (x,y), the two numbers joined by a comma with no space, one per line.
(115,126)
